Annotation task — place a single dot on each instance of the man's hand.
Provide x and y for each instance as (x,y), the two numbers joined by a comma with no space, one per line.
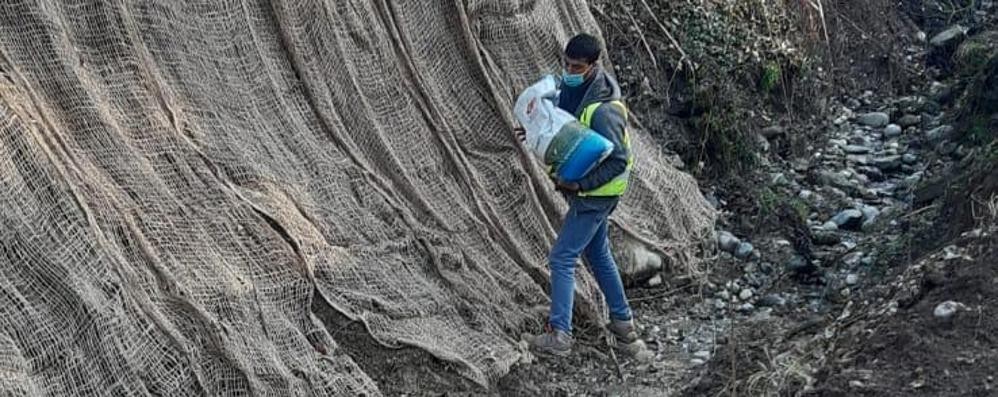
(521,134)
(567,187)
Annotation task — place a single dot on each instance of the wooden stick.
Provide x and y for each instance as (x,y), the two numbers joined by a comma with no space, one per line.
(816,4)
(613,356)
(918,211)
(675,43)
(641,34)
(663,294)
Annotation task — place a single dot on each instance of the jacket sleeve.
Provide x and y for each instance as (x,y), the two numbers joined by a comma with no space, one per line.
(608,120)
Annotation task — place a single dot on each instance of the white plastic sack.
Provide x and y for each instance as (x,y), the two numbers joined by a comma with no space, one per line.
(539,116)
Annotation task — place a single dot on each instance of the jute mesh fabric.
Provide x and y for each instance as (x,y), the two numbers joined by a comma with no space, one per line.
(181,181)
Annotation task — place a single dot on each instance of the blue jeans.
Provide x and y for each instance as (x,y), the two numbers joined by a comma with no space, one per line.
(585,232)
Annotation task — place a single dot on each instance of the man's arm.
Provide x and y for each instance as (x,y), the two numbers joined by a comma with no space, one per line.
(608,121)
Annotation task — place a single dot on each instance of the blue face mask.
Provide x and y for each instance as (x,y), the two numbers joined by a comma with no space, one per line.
(573,80)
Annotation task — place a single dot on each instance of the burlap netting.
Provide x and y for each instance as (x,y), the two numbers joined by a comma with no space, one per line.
(181,179)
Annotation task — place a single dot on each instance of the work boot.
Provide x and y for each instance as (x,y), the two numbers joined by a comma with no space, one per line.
(623,330)
(552,342)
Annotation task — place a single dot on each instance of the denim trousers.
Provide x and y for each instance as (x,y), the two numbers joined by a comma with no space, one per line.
(585,232)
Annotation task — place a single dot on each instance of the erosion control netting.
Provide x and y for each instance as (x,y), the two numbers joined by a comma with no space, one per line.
(181,180)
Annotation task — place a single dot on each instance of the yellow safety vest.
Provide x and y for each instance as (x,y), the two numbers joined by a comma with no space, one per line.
(618,185)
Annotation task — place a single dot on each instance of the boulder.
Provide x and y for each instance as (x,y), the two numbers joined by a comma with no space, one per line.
(638,263)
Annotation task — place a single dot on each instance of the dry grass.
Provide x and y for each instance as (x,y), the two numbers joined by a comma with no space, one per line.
(792,370)
(985,212)
(820,8)
(767,374)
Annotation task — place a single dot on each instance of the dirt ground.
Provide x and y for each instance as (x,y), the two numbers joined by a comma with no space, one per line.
(916,353)
(673,323)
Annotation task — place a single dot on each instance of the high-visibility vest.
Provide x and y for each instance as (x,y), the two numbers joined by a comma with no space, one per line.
(618,185)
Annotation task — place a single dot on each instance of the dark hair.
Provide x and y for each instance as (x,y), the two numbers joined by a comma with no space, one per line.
(584,46)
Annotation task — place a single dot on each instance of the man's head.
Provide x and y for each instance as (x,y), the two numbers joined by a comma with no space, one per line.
(581,54)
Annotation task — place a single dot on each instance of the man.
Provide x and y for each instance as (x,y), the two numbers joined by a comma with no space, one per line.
(594,98)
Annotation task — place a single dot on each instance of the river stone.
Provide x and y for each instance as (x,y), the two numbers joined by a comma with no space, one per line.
(892,130)
(727,241)
(856,149)
(874,173)
(773,131)
(939,133)
(909,120)
(888,163)
(949,36)
(870,213)
(772,300)
(744,250)
(947,309)
(850,219)
(826,238)
(874,119)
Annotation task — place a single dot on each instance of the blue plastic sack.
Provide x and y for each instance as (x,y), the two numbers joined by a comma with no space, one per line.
(589,151)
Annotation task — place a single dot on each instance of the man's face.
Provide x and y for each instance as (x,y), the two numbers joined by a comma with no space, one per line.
(578,66)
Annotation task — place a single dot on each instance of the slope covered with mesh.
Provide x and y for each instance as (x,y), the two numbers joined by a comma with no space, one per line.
(181,181)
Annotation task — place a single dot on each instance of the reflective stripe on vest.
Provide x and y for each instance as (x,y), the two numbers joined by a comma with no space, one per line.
(618,185)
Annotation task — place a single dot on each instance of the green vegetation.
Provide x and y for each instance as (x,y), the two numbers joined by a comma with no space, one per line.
(771,76)
(895,252)
(801,208)
(978,133)
(973,55)
(724,147)
(736,47)
(770,200)
(767,200)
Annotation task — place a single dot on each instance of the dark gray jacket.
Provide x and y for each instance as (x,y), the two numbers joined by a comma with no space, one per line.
(608,120)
